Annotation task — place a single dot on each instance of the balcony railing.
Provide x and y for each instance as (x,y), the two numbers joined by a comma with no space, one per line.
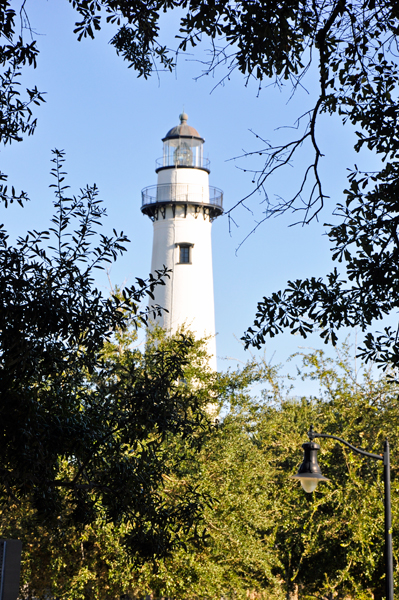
(195,162)
(182,192)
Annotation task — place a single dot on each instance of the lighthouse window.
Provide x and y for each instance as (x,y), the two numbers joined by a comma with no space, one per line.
(184,253)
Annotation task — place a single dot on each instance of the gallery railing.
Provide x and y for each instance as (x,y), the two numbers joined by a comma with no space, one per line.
(182,192)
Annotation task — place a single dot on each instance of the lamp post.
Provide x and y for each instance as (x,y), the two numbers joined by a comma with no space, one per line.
(309,474)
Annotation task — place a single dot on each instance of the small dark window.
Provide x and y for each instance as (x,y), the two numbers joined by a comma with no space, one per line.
(185,252)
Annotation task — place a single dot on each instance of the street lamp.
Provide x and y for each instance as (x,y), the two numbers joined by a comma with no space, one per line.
(309,474)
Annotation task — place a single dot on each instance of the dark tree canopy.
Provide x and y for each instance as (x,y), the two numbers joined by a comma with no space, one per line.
(266,538)
(82,433)
(354,47)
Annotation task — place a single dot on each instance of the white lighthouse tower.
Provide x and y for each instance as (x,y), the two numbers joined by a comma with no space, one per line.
(182,207)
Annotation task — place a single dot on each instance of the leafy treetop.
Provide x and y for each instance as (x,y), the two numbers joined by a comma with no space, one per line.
(82,435)
(353,45)
(266,538)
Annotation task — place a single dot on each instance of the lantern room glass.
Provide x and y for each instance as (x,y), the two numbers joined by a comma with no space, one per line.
(182,152)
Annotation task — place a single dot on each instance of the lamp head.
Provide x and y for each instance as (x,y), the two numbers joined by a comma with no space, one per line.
(309,473)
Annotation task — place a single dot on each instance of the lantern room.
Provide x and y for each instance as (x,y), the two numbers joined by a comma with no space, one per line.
(183,147)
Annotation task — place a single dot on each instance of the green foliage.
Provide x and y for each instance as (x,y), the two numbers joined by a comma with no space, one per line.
(82,434)
(355,45)
(136,39)
(265,538)
(98,436)
(366,242)
(15,110)
(15,114)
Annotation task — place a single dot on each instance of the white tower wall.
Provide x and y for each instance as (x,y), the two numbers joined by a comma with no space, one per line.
(188,293)
(182,210)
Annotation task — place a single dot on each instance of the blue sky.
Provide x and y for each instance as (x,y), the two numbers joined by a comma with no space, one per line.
(110,124)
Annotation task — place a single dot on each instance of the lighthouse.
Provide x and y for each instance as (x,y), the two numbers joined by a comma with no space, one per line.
(182,207)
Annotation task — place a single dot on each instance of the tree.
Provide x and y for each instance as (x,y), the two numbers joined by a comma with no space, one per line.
(157,420)
(81,435)
(331,542)
(352,46)
(15,113)
(265,537)
(355,47)
(78,437)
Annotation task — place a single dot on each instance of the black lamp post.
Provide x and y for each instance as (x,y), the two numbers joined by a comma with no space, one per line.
(310,474)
